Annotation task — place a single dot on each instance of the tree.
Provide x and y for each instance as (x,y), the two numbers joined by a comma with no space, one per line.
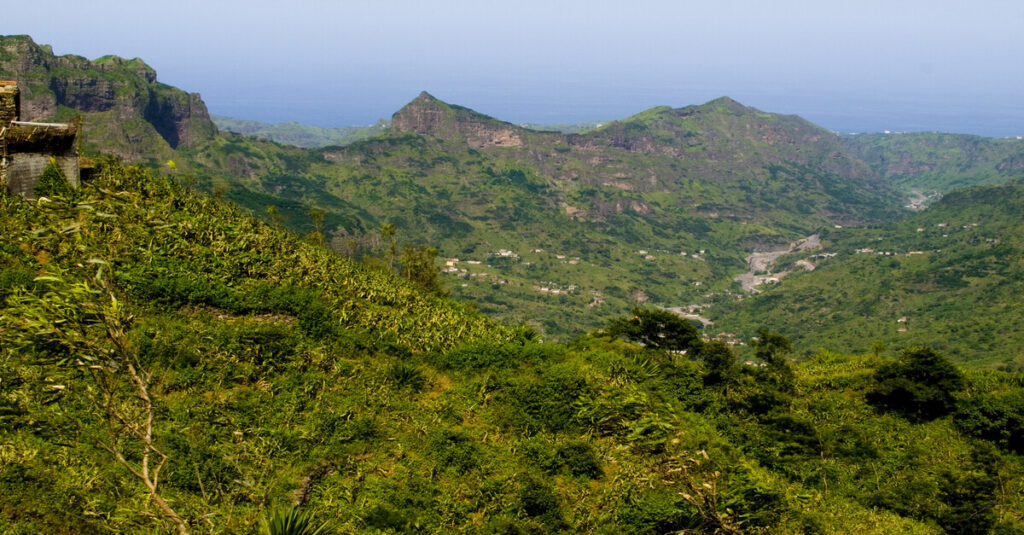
(877,347)
(719,362)
(774,349)
(388,231)
(317,236)
(657,329)
(921,385)
(420,268)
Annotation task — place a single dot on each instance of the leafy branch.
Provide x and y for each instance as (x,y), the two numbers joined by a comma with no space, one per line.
(78,331)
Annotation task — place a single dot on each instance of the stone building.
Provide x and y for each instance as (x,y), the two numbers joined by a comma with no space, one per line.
(26,147)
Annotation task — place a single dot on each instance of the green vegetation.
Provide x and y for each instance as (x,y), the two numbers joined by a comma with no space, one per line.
(939,163)
(169,363)
(301,135)
(173,365)
(948,277)
(53,181)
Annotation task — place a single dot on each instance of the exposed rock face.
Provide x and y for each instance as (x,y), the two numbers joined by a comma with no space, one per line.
(429,116)
(121,88)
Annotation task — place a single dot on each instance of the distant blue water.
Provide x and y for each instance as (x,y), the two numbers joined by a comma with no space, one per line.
(840,115)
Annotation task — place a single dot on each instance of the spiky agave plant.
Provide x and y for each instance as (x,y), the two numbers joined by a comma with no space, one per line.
(292,521)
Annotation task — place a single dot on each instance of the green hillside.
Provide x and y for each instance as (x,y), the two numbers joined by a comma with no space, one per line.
(933,163)
(950,277)
(173,365)
(562,231)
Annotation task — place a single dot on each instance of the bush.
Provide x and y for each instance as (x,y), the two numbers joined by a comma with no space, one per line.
(579,459)
(657,329)
(997,417)
(537,499)
(53,182)
(719,363)
(543,402)
(576,457)
(453,450)
(403,375)
(920,386)
(488,355)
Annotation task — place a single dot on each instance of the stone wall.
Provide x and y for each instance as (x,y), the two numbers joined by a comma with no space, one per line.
(25,168)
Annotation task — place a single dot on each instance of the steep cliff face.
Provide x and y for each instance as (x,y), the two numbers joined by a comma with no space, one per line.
(121,98)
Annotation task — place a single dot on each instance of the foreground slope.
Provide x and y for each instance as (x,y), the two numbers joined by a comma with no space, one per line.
(253,371)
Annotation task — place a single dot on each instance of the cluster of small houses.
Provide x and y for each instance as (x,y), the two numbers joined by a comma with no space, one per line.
(451,267)
(870,250)
(648,256)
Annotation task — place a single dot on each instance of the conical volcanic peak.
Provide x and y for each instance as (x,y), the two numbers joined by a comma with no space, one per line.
(429,116)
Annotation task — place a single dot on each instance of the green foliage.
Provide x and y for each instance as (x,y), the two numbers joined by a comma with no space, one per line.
(575,457)
(293,522)
(280,373)
(998,417)
(453,450)
(969,495)
(403,375)
(538,500)
(920,385)
(720,365)
(545,400)
(657,329)
(419,267)
(53,182)
(773,350)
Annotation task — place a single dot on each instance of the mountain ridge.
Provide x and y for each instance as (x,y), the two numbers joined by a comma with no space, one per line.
(128,111)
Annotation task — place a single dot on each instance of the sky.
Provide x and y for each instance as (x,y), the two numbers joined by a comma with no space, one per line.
(849,66)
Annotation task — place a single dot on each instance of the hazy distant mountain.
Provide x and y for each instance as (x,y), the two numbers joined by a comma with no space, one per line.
(300,135)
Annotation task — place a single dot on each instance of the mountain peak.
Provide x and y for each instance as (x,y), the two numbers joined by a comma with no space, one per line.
(429,116)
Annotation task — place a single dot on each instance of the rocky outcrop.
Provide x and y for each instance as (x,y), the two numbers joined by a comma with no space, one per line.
(121,89)
(428,116)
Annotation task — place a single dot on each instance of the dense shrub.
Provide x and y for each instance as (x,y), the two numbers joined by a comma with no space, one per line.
(720,364)
(546,401)
(453,450)
(489,355)
(579,459)
(575,457)
(920,385)
(537,499)
(53,182)
(406,376)
(657,329)
(995,417)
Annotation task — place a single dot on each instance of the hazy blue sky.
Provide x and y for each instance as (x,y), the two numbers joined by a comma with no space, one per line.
(854,65)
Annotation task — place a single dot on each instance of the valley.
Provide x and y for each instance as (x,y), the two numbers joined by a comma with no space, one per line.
(707,319)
